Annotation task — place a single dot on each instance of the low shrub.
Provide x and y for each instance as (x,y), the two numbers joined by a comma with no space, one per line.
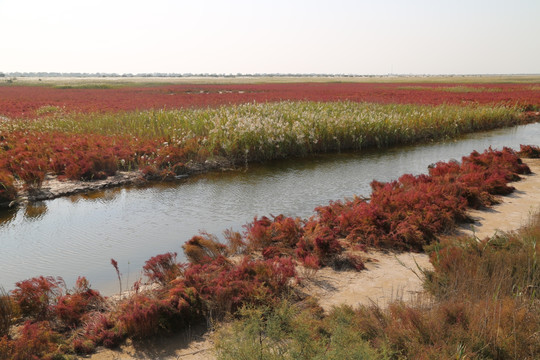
(203,248)
(37,296)
(37,341)
(224,287)
(98,329)
(280,232)
(141,316)
(529,151)
(162,268)
(72,307)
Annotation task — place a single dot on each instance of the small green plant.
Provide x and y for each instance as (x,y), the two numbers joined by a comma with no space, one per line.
(289,332)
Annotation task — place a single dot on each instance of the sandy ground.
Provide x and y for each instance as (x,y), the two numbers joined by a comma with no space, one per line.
(388,276)
(513,212)
(194,344)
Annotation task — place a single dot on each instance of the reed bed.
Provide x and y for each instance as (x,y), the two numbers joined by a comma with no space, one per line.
(87,146)
(263,131)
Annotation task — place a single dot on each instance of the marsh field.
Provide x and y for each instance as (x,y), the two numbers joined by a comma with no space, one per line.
(140,207)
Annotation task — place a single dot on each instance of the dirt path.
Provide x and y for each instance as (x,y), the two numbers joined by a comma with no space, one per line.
(388,276)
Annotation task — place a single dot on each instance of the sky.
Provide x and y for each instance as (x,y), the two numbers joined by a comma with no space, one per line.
(280,36)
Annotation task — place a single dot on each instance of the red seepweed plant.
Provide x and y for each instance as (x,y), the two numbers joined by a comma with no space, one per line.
(163,268)
(36,297)
(28,101)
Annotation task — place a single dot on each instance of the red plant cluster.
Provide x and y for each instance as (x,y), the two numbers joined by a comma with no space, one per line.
(407,213)
(36,297)
(211,289)
(162,268)
(529,151)
(44,298)
(24,101)
(48,309)
(29,156)
(72,308)
(224,287)
(37,341)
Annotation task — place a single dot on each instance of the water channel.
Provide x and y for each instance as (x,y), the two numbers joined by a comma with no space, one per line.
(78,235)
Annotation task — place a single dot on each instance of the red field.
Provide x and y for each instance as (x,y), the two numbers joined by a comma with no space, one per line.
(23,101)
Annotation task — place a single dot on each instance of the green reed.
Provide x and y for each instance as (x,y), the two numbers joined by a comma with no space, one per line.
(259,131)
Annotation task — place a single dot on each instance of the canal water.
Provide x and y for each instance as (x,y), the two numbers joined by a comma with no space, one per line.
(78,235)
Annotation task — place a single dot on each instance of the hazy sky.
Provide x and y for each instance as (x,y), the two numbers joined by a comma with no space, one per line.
(213,36)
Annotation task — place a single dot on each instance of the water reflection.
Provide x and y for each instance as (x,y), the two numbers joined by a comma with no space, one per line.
(35,211)
(7,216)
(79,235)
(105,195)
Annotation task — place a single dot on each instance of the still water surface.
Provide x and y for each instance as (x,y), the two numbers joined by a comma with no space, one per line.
(78,235)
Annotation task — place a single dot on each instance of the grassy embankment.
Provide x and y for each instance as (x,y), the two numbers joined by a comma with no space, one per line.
(163,143)
(485,293)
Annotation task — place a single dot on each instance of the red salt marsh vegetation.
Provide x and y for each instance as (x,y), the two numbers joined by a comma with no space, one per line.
(497,320)
(29,101)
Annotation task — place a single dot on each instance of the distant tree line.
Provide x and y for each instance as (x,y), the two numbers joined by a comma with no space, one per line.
(158,74)
(212,75)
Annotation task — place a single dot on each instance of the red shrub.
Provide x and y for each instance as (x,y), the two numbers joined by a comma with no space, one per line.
(100,329)
(36,342)
(529,151)
(162,268)
(271,252)
(235,243)
(224,287)
(142,316)
(203,248)
(310,262)
(83,346)
(36,297)
(258,233)
(281,233)
(72,307)
(326,244)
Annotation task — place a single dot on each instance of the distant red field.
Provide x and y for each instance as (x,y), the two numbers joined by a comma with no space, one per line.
(23,101)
